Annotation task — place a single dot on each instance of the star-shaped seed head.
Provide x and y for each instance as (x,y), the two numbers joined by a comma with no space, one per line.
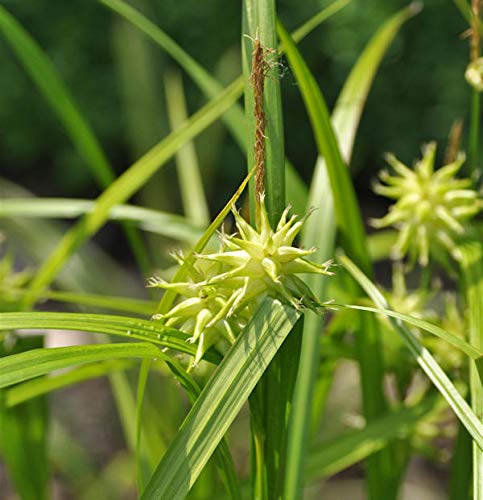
(431,206)
(226,287)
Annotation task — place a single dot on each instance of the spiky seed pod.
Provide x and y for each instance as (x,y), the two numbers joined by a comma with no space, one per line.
(226,287)
(431,206)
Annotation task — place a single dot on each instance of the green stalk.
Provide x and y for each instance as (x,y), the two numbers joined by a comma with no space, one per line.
(474,145)
(471,263)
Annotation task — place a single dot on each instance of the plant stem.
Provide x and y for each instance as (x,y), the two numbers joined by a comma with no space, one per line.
(472,271)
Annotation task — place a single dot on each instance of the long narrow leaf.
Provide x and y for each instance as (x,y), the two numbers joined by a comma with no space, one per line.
(353,240)
(221,400)
(123,326)
(43,385)
(26,365)
(471,351)
(163,223)
(471,264)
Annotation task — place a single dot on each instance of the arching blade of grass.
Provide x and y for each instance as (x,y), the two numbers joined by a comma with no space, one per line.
(337,454)
(163,223)
(472,352)
(319,232)
(471,264)
(30,364)
(50,84)
(423,357)
(347,212)
(43,385)
(125,305)
(122,326)
(234,118)
(221,400)
(124,187)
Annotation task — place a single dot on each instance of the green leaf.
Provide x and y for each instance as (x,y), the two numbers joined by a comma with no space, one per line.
(221,400)
(124,187)
(26,365)
(423,357)
(347,212)
(43,385)
(471,264)
(353,240)
(123,326)
(163,223)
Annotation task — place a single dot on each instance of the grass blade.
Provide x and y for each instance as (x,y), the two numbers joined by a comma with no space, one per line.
(155,221)
(27,365)
(471,351)
(423,357)
(471,264)
(124,187)
(123,326)
(352,237)
(221,400)
(44,385)
(347,212)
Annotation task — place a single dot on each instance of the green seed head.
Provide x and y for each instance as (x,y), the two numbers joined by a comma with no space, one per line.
(430,207)
(226,287)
